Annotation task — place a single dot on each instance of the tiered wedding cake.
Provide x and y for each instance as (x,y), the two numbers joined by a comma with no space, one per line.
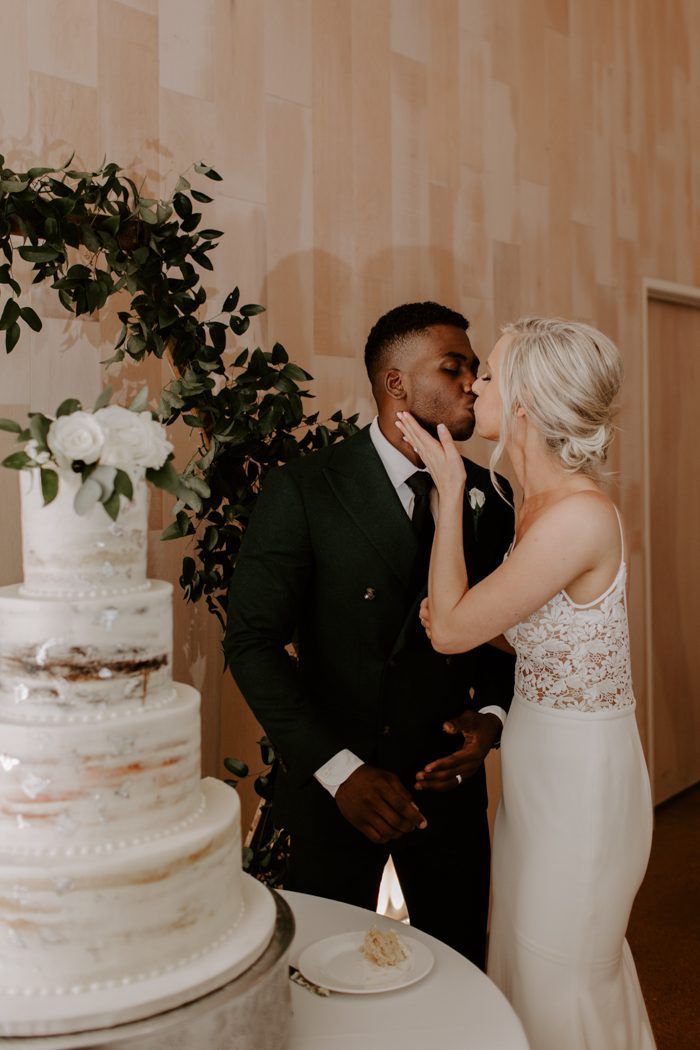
(121,891)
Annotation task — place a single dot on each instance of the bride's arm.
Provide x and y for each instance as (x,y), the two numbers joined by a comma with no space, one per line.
(562,545)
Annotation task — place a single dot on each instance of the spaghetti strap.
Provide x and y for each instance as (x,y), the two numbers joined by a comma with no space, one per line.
(622,534)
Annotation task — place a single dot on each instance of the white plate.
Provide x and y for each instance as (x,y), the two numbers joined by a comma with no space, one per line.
(337,963)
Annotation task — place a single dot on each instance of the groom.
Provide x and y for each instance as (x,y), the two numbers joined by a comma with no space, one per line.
(336,556)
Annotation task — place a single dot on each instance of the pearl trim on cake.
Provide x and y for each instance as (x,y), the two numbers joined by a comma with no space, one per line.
(96,986)
(108,847)
(91,592)
(90,717)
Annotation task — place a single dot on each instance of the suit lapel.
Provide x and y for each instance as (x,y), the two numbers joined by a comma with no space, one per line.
(410,625)
(469,537)
(361,484)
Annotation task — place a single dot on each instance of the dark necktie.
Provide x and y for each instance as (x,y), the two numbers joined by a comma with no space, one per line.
(422,519)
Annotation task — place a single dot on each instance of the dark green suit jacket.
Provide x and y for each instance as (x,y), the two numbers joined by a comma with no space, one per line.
(327,560)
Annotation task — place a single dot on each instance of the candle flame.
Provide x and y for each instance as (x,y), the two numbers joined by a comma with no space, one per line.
(391,900)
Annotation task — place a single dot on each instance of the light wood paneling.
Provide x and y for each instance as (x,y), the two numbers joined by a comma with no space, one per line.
(503,156)
(674,385)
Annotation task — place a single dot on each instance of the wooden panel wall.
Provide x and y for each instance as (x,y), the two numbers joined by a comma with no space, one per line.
(504,156)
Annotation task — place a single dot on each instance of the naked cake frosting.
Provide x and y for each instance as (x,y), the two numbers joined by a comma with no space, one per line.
(121,890)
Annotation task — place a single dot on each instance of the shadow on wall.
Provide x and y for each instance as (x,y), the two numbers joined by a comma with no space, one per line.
(321,309)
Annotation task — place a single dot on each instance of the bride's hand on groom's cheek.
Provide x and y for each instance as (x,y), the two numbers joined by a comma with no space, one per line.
(479,734)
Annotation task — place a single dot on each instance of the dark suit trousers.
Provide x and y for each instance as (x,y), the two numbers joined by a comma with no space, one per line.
(444,872)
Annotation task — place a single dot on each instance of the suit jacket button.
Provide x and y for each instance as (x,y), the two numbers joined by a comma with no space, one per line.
(448,660)
(386,730)
(370,594)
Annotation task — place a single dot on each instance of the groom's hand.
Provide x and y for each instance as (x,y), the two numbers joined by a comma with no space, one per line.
(377,804)
(479,734)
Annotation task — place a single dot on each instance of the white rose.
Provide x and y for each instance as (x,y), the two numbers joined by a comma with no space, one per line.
(77,436)
(476,498)
(156,447)
(132,439)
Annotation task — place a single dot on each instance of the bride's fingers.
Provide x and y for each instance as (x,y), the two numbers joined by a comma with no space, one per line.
(406,436)
(408,427)
(417,436)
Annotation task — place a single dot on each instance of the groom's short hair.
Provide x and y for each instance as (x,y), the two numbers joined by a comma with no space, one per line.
(393,328)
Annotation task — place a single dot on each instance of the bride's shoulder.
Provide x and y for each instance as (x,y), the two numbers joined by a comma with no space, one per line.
(586,515)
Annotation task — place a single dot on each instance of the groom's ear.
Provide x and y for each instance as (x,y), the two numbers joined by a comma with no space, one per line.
(394,385)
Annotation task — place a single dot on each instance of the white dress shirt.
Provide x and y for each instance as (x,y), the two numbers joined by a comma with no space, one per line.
(399,468)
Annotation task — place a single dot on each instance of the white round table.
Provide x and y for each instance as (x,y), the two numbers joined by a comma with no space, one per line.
(455,1007)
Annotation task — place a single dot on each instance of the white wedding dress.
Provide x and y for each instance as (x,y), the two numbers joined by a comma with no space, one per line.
(573,830)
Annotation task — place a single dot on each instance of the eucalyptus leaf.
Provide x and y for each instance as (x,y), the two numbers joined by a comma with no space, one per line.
(166,477)
(9,314)
(188,570)
(297,373)
(31,318)
(237,767)
(189,498)
(231,300)
(67,407)
(172,532)
(49,484)
(34,173)
(17,461)
(116,357)
(39,429)
(13,185)
(104,399)
(37,255)
(198,485)
(112,505)
(123,485)
(140,402)
(91,240)
(105,477)
(89,493)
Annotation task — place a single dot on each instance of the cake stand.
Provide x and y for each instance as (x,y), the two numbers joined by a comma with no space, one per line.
(251,1012)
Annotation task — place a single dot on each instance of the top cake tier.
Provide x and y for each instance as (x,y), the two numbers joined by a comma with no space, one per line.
(65,554)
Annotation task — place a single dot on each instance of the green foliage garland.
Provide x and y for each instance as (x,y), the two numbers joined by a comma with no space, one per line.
(93,235)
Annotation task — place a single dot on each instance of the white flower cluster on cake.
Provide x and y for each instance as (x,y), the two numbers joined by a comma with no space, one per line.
(113,436)
(111,448)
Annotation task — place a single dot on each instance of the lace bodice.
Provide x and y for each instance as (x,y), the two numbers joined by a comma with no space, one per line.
(576,656)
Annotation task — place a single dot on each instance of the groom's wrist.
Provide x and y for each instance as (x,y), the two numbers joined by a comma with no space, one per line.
(497,717)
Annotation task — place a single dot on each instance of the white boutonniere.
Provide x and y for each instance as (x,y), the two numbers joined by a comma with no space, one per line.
(476,501)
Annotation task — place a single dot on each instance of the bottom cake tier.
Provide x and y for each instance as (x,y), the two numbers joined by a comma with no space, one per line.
(94,942)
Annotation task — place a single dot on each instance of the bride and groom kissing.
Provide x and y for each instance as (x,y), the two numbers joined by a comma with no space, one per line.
(402,573)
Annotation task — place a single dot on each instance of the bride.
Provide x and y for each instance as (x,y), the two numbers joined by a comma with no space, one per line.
(573,829)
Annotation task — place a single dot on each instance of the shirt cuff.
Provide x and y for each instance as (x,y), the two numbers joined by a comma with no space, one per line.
(492,709)
(336,770)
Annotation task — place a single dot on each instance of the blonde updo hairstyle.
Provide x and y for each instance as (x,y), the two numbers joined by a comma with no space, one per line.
(566,376)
